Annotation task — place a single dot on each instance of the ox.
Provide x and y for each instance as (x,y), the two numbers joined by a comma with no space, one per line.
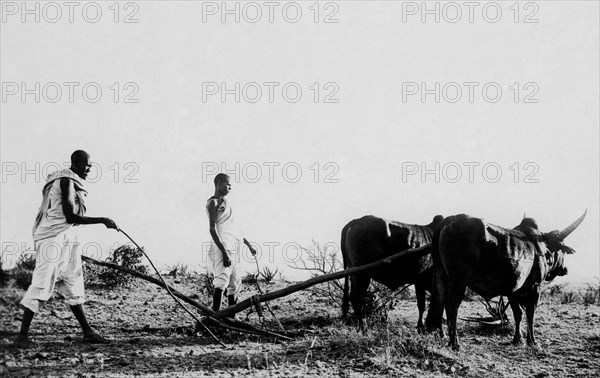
(493,261)
(369,239)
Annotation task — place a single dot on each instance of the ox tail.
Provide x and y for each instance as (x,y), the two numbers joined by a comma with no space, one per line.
(346,298)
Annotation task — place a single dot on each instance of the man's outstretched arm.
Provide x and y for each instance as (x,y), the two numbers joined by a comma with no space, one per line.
(68,204)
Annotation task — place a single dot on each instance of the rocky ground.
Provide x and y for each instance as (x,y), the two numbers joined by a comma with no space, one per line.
(153,337)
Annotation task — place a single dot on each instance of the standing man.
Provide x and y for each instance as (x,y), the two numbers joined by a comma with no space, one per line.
(58,255)
(225,245)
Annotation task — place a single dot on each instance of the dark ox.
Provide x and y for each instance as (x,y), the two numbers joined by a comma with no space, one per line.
(369,239)
(493,261)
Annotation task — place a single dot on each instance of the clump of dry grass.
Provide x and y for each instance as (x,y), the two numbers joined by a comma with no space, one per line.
(561,293)
(391,348)
(591,293)
(180,269)
(206,287)
(20,276)
(268,275)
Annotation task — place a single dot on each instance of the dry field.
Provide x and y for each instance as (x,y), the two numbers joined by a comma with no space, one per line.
(153,337)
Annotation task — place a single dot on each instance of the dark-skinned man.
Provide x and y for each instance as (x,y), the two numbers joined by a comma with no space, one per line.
(224,252)
(58,255)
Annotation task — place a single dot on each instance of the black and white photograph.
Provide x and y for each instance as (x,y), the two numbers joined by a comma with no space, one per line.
(308,188)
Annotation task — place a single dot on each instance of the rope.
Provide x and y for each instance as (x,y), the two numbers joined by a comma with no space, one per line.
(258,299)
(169,290)
(255,300)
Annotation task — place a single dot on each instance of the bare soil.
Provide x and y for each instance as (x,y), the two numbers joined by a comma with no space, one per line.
(153,337)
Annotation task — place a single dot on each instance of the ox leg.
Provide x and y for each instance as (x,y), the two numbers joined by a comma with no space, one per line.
(433,322)
(420,293)
(346,300)
(518,315)
(530,306)
(456,292)
(358,291)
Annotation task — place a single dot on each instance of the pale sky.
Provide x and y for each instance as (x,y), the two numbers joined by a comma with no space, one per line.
(165,147)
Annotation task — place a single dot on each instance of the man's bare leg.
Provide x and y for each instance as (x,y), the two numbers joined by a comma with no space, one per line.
(89,335)
(217,297)
(22,341)
(231,300)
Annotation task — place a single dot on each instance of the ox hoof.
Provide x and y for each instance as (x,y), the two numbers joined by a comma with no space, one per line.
(23,342)
(536,349)
(517,341)
(438,332)
(455,346)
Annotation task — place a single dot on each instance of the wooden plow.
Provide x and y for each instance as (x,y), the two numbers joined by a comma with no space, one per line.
(223,318)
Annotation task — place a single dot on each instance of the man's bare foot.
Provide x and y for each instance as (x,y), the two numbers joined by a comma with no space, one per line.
(22,342)
(94,338)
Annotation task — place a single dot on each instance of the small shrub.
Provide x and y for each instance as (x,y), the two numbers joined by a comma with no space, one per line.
(591,294)
(26,262)
(557,290)
(377,303)
(268,275)
(125,256)
(568,297)
(249,279)
(205,283)
(23,270)
(22,278)
(91,274)
(180,269)
(184,270)
(497,310)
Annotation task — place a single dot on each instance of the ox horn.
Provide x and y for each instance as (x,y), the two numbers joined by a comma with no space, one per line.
(524,215)
(564,233)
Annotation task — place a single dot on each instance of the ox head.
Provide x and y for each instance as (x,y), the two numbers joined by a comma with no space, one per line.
(556,249)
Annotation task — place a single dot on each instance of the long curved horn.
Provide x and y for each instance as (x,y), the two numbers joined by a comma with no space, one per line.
(564,233)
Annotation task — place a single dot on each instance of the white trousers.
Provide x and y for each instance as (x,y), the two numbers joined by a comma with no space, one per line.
(225,277)
(57,266)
